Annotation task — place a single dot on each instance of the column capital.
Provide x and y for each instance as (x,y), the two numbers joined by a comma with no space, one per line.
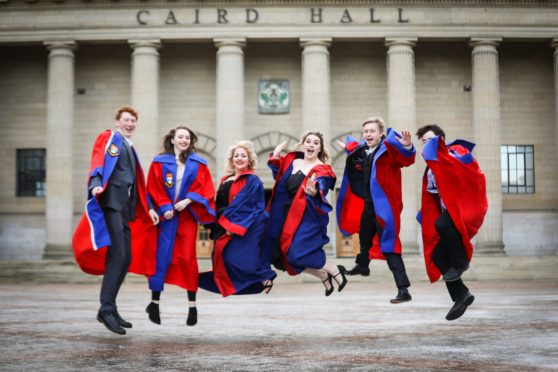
(230,42)
(554,43)
(490,42)
(315,41)
(401,41)
(61,47)
(150,43)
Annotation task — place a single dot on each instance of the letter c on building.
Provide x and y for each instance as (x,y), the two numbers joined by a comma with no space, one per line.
(140,18)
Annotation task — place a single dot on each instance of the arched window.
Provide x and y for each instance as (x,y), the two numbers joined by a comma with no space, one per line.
(264,144)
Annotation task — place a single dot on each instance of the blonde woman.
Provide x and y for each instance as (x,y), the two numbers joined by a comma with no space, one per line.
(238,261)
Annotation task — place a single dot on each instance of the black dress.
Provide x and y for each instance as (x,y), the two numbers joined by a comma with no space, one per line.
(221,202)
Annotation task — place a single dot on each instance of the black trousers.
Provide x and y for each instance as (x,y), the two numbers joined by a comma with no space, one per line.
(369,227)
(450,253)
(118,258)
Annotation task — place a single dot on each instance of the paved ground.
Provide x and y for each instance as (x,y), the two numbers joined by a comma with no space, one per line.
(511,326)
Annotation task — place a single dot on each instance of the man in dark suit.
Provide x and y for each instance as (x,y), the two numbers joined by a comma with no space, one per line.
(118,200)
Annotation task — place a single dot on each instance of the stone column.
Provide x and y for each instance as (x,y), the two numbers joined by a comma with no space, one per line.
(230,96)
(316,107)
(402,115)
(145,98)
(487,129)
(316,102)
(59,164)
(555,46)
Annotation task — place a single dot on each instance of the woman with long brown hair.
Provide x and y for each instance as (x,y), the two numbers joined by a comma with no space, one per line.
(180,185)
(299,211)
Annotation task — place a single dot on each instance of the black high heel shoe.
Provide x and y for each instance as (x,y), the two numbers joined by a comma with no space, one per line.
(330,280)
(344,281)
(268,284)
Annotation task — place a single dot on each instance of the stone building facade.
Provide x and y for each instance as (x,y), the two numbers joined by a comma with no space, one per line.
(484,71)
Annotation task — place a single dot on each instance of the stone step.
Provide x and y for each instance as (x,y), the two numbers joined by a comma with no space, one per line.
(482,268)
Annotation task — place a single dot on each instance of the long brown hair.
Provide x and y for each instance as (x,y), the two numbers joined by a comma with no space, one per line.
(323,155)
(168,146)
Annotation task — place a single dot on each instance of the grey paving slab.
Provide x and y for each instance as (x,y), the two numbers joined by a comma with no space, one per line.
(511,326)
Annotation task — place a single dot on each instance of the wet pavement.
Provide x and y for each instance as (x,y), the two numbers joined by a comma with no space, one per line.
(511,326)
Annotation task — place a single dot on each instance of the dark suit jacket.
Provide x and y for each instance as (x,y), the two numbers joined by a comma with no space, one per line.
(121,187)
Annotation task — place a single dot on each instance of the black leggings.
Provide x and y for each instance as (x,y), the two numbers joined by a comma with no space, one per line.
(156,295)
(369,227)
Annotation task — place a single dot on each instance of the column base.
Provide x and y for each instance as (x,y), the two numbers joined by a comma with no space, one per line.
(490,248)
(62,252)
(411,249)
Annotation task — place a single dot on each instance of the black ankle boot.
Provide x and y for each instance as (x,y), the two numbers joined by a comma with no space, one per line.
(153,311)
(192,316)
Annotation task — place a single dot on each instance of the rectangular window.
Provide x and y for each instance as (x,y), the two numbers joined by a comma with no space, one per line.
(31,172)
(518,169)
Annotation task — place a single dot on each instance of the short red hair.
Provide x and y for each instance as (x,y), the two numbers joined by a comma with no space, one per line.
(129,109)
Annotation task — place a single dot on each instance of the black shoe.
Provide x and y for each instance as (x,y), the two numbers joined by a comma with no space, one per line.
(459,307)
(192,316)
(454,274)
(330,280)
(403,295)
(153,310)
(357,270)
(122,322)
(268,284)
(111,323)
(343,277)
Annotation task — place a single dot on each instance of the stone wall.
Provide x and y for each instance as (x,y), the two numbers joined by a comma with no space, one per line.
(527,101)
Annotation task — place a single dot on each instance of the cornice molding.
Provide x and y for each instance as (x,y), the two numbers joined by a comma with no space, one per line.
(92,4)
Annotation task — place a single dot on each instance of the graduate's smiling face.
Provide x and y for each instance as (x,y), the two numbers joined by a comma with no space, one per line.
(427,136)
(372,134)
(126,124)
(181,140)
(312,147)
(240,160)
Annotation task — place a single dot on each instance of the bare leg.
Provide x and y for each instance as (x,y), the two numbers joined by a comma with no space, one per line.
(320,274)
(330,268)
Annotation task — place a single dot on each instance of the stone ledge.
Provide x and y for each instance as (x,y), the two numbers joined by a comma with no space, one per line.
(482,268)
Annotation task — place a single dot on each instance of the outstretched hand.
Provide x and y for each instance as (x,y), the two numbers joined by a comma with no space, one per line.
(405,139)
(280,147)
(341,144)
